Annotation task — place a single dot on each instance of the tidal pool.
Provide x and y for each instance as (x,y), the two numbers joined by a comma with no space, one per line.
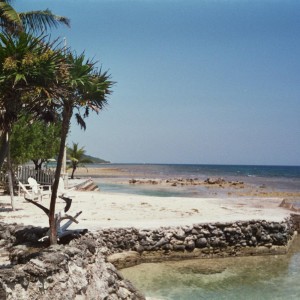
(259,277)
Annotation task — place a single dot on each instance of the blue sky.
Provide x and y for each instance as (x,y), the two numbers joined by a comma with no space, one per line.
(197,81)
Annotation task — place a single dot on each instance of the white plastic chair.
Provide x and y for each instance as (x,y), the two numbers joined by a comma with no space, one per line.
(41,190)
(28,192)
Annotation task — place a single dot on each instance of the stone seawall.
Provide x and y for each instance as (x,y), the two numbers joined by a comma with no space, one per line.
(132,246)
(85,268)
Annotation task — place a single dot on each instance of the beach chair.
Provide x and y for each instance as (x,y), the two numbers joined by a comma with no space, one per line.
(42,190)
(28,192)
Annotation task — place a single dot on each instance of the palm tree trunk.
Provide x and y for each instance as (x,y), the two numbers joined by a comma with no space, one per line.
(3,147)
(10,176)
(67,114)
(73,171)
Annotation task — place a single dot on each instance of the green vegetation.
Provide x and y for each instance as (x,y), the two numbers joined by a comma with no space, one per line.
(36,141)
(41,81)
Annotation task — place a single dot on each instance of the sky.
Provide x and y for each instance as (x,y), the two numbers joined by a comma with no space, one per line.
(197,81)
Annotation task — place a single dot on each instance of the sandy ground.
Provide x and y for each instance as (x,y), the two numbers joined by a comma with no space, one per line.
(102,210)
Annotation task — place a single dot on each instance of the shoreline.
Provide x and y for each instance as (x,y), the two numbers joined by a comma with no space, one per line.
(184,201)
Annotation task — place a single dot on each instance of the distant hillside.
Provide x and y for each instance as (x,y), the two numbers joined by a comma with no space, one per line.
(96,160)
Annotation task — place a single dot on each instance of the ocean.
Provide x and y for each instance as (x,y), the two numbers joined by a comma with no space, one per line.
(247,278)
(190,170)
(281,178)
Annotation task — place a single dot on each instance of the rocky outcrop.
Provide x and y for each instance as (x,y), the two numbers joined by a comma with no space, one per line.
(74,271)
(220,182)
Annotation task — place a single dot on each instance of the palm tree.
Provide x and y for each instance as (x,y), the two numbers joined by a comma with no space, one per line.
(76,155)
(29,73)
(88,90)
(36,21)
(12,21)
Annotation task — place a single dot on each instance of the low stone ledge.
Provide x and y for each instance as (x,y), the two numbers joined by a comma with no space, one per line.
(125,259)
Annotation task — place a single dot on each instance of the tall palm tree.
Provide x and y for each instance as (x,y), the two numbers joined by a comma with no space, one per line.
(36,21)
(88,90)
(12,21)
(29,73)
(77,158)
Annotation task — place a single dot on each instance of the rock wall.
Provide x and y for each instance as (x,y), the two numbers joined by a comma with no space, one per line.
(198,241)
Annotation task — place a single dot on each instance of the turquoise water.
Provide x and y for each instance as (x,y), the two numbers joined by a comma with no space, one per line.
(263,277)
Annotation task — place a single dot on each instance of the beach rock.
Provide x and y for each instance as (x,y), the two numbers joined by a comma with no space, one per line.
(161,242)
(180,234)
(179,247)
(278,239)
(201,243)
(190,245)
(214,181)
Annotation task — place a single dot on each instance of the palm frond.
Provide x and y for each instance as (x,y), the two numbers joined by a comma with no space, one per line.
(41,20)
(8,15)
(80,121)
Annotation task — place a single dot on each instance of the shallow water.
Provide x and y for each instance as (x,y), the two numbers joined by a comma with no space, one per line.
(154,190)
(260,277)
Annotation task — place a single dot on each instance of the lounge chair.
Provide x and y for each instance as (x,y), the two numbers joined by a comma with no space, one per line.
(42,190)
(28,192)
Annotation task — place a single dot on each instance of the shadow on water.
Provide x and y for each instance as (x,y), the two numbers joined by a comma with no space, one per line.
(260,277)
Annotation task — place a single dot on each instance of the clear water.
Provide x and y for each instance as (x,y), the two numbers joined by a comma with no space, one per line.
(140,190)
(263,277)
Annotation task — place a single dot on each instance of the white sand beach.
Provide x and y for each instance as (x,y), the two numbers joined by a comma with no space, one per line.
(103,210)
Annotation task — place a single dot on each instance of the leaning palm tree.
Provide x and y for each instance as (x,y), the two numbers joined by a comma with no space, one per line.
(36,21)
(77,157)
(88,90)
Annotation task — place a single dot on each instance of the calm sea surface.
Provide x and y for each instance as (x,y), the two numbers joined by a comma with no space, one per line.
(255,278)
